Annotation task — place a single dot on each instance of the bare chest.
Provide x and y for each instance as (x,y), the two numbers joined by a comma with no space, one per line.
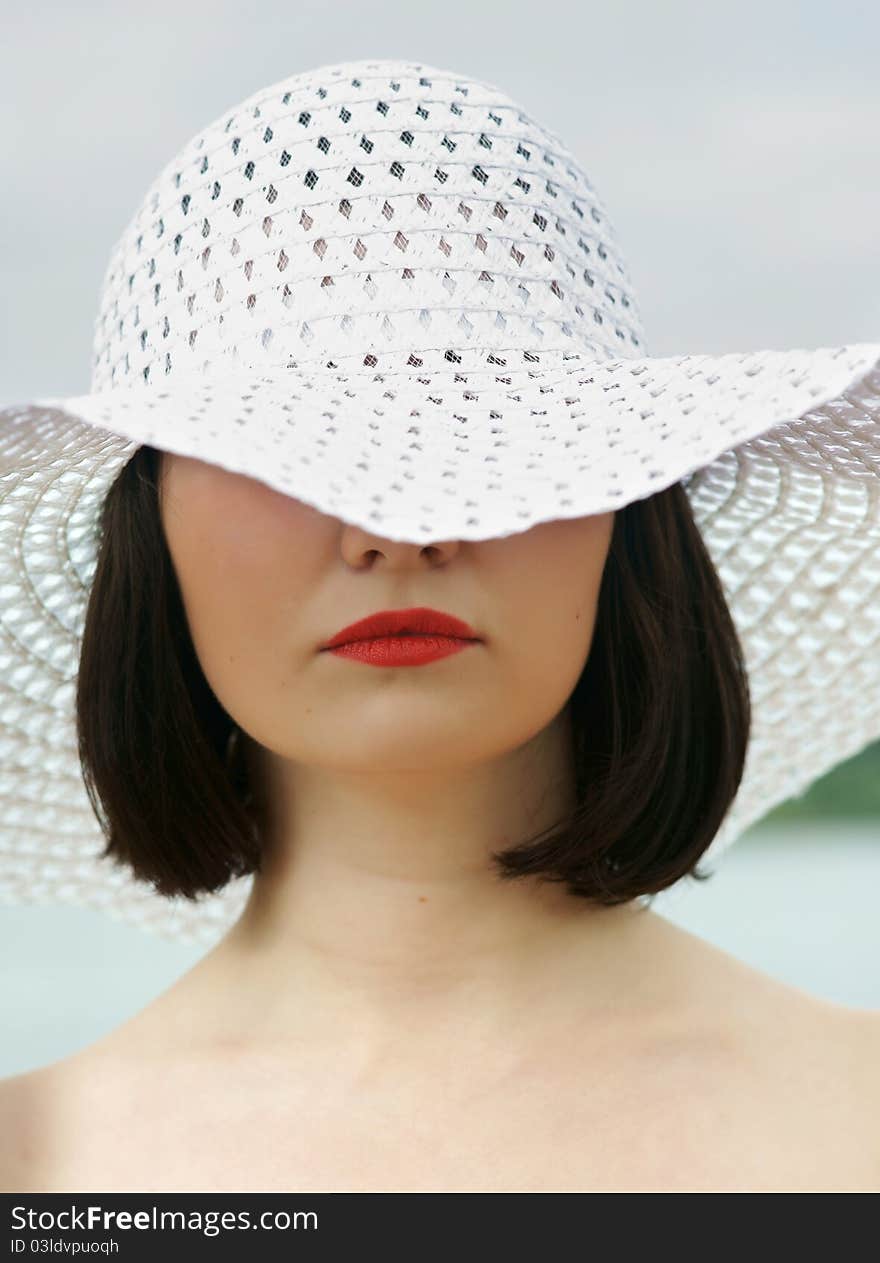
(663,1127)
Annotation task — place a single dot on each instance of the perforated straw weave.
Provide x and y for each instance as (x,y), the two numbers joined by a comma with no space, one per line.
(385,289)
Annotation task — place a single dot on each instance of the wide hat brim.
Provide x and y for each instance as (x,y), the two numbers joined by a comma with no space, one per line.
(779,452)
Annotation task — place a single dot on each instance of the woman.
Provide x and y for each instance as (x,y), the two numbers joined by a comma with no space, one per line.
(447,973)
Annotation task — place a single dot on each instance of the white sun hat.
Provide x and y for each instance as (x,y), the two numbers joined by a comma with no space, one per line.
(385,289)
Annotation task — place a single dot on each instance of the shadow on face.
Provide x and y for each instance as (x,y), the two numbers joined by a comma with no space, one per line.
(266,580)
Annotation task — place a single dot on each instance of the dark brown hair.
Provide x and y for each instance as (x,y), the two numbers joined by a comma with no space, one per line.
(660,715)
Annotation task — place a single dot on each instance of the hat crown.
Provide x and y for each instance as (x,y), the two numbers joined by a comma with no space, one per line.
(366,215)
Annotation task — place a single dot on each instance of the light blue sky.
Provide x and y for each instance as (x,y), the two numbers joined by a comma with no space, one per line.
(734,145)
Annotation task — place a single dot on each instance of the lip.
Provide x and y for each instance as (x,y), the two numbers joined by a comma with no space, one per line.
(419,620)
(406,637)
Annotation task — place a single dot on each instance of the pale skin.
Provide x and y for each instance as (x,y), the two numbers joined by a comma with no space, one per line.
(387,1014)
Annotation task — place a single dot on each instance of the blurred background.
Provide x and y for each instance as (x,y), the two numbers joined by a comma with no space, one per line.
(734,146)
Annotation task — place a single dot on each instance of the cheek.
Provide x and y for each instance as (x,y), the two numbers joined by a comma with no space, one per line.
(238,555)
(550,614)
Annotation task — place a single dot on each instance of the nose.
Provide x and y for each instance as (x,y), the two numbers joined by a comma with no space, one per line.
(362,549)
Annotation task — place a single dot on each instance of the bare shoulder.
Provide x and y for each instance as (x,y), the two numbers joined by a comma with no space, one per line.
(796,1069)
(860,1035)
(855,1055)
(813,1064)
(25,1106)
(48,1116)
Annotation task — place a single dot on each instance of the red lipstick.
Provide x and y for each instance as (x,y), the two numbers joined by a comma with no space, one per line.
(401,638)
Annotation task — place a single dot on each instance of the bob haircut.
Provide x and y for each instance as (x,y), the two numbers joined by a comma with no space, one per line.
(660,715)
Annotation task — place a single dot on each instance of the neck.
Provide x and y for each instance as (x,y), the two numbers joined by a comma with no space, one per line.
(378,909)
